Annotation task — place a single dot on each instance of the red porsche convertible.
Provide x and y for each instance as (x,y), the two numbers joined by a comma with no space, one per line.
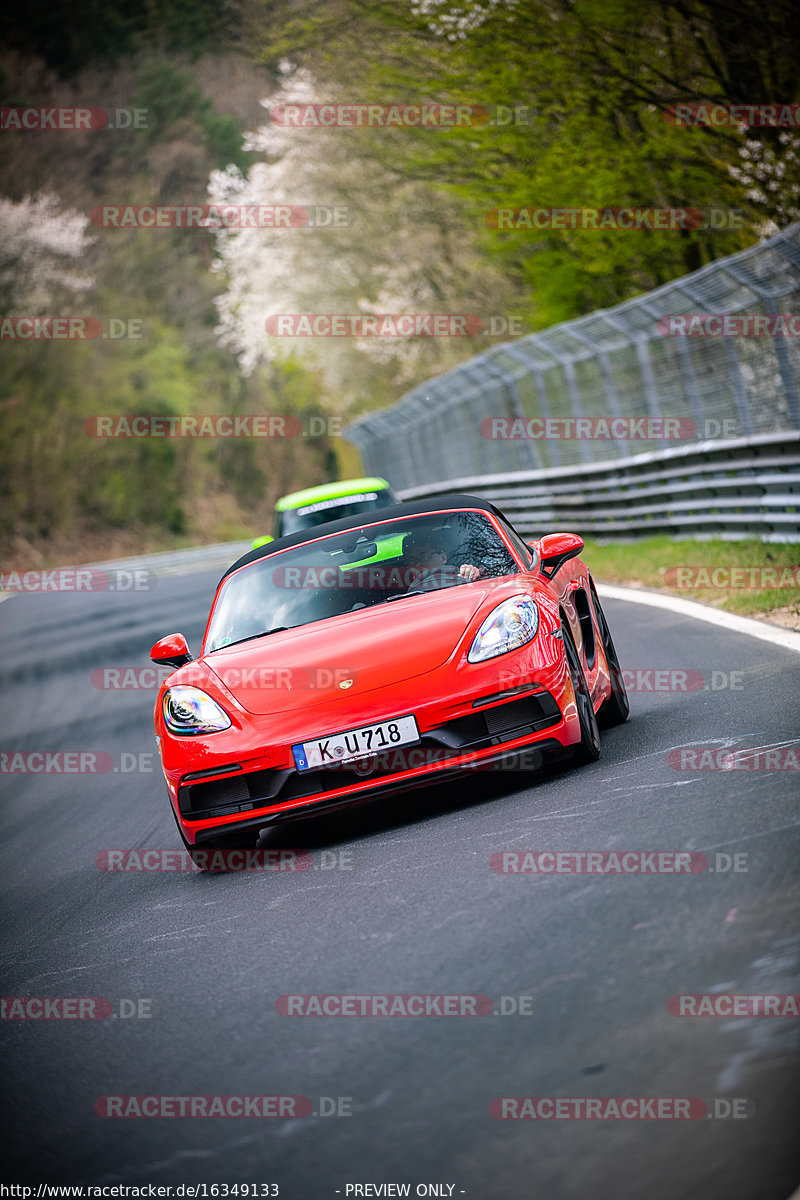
(368,656)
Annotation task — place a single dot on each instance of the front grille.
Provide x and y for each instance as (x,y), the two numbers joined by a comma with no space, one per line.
(506,717)
(476,731)
(215,793)
(218,797)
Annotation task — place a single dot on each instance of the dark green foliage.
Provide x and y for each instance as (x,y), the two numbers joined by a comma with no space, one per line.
(69,37)
(170,96)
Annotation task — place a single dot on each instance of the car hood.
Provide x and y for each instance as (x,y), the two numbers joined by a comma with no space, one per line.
(371,648)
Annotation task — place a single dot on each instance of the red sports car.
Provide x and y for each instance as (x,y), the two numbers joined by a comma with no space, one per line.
(368,656)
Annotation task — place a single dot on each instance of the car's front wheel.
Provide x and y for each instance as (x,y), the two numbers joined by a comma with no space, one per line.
(588,748)
(614,710)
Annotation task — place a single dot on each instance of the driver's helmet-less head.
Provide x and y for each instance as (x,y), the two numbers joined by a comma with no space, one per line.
(420,546)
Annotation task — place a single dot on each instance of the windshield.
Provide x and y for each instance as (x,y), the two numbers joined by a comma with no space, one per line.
(308,516)
(345,572)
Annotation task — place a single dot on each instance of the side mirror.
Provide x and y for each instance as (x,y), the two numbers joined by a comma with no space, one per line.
(171,651)
(557,548)
(262,541)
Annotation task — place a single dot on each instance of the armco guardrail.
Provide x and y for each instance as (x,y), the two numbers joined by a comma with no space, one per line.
(731,489)
(588,406)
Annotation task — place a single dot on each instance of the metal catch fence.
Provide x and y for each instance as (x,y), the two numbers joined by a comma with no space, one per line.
(612,387)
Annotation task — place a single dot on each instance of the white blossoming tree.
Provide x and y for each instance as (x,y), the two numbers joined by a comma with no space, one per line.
(403,249)
(39,244)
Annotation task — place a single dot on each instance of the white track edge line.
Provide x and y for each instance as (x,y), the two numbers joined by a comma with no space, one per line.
(787,639)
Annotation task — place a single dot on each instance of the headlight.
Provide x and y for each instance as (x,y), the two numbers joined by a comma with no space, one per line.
(509,626)
(187,711)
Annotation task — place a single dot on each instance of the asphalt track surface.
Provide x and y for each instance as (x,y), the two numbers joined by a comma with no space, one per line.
(411,906)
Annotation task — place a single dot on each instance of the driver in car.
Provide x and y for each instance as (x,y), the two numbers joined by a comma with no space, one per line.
(426,558)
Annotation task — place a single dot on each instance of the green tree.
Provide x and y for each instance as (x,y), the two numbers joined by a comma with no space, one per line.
(596,81)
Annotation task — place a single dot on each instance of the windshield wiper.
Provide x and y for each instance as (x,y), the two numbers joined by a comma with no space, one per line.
(402,595)
(264,633)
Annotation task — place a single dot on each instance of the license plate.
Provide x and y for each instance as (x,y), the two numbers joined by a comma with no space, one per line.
(355,743)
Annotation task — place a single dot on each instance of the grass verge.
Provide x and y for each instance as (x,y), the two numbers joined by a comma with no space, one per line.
(750,577)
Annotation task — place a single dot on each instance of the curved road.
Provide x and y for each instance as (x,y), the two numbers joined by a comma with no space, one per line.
(402,898)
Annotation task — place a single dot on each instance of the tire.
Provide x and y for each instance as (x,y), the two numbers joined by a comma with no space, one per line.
(588,748)
(616,709)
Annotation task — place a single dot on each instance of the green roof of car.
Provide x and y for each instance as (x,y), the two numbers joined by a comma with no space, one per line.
(331,491)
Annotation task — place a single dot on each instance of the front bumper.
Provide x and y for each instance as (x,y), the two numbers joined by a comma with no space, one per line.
(231,797)
(506,759)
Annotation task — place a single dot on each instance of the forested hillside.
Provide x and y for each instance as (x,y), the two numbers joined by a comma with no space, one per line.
(66,494)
